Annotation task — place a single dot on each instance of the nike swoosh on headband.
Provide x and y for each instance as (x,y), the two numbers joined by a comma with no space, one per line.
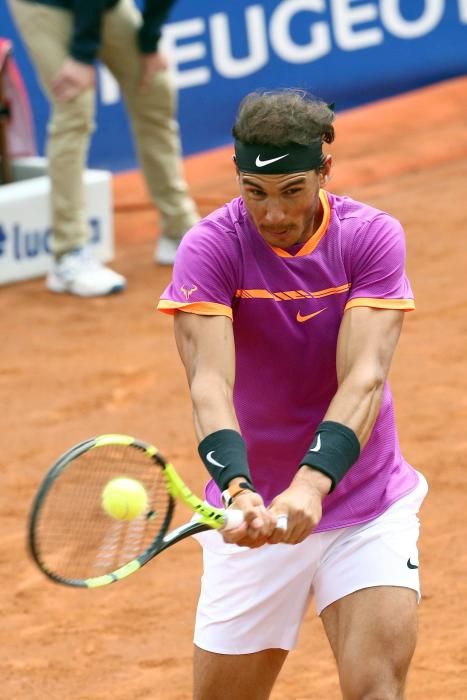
(261,163)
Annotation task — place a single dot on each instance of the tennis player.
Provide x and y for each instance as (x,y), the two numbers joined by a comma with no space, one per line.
(288,305)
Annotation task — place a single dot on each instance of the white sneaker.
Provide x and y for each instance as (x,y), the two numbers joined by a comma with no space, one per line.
(165,250)
(79,272)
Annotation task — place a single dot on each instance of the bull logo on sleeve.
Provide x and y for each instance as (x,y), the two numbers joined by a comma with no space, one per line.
(188,292)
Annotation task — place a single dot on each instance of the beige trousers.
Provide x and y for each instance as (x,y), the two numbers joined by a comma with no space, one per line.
(46,32)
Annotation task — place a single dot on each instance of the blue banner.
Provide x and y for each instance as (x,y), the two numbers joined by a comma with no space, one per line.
(345,51)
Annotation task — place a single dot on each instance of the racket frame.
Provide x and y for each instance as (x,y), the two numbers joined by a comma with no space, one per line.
(206,516)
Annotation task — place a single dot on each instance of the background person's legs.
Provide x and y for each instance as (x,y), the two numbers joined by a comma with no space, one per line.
(69,130)
(153,121)
(46,32)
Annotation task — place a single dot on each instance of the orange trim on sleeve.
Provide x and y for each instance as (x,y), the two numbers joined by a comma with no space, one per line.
(204,308)
(398,304)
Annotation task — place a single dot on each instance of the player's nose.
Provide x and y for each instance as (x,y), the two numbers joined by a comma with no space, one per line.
(274,213)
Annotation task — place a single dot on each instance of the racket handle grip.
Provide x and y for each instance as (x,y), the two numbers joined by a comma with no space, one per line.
(234,518)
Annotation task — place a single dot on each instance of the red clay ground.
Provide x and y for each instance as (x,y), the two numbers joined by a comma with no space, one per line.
(72,368)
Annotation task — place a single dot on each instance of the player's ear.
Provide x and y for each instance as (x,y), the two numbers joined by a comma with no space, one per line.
(325,171)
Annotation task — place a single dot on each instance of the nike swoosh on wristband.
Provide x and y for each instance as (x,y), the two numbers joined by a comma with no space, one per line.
(301,318)
(210,459)
(317,446)
(261,163)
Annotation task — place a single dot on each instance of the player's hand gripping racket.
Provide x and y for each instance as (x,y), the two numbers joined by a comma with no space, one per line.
(104,510)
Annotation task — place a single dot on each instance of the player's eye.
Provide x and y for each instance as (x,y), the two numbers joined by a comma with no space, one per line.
(256,193)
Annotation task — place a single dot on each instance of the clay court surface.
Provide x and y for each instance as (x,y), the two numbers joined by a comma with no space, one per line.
(73,368)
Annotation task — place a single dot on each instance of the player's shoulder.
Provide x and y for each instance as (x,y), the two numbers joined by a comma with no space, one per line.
(363,223)
(350,210)
(221,221)
(218,230)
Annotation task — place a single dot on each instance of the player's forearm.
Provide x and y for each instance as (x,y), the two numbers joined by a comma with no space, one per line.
(309,478)
(357,402)
(212,406)
(221,446)
(367,340)
(207,350)
(347,423)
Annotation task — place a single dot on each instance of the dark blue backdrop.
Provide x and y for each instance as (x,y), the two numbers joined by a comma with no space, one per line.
(347,51)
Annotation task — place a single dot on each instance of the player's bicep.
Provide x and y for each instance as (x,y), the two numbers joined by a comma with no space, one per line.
(206,347)
(366,343)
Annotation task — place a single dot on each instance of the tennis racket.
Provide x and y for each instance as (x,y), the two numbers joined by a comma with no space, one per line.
(74,540)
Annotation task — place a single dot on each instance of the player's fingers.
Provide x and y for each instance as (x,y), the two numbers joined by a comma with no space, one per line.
(243,537)
(279,533)
(291,528)
(252,531)
(235,535)
(296,533)
(261,522)
(253,542)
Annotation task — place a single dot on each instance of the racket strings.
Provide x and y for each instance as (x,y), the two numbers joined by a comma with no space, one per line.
(75,536)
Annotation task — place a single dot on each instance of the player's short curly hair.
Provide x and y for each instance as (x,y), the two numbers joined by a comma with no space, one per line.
(279,117)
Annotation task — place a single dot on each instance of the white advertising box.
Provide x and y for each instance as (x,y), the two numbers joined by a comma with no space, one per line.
(25,220)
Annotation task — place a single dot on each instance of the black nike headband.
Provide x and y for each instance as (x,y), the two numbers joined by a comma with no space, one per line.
(278,160)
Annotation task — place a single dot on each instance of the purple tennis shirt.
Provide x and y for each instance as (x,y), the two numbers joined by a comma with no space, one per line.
(286,308)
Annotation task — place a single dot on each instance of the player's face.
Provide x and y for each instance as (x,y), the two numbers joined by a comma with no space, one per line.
(284,208)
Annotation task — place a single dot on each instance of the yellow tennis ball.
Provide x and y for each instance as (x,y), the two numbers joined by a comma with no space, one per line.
(124,498)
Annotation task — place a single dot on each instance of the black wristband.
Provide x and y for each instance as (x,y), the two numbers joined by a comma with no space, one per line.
(334,449)
(224,456)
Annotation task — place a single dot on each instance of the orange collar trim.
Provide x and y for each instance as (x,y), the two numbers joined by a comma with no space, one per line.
(313,241)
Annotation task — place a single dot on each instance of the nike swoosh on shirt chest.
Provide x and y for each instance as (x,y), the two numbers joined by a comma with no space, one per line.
(302,319)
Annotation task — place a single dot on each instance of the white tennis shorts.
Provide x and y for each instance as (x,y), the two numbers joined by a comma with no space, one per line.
(255,599)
